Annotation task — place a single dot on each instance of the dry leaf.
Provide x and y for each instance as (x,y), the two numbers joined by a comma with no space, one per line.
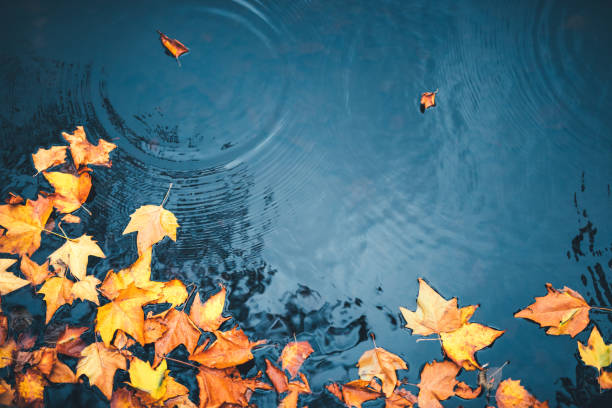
(207,315)
(218,387)
(34,272)
(70,191)
(462,390)
(382,364)
(231,348)
(596,353)
(180,330)
(30,388)
(511,394)
(99,364)
(125,313)
(277,377)
(70,342)
(24,224)
(173,46)
(45,158)
(85,289)
(428,99)
(84,153)
(58,292)
(293,356)
(74,254)
(8,280)
(437,383)
(147,379)
(461,344)
(153,223)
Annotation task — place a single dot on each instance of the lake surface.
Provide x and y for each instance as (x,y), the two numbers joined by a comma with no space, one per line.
(306,179)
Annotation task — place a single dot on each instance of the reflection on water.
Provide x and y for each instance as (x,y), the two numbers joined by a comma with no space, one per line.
(304,177)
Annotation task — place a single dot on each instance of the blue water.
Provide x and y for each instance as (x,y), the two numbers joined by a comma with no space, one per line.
(306,179)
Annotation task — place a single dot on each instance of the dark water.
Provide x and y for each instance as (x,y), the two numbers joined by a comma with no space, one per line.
(306,179)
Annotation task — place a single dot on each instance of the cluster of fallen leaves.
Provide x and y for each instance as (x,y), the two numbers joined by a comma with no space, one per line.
(121,334)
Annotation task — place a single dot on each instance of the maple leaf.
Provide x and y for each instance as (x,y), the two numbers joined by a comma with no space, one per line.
(58,292)
(295,389)
(293,356)
(173,46)
(428,99)
(30,387)
(180,330)
(71,219)
(207,315)
(437,383)
(24,224)
(182,401)
(34,272)
(7,394)
(400,399)
(70,191)
(85,289)
(84,153)
(147,379)
(434,314)
(61,373)
(124,398)
(354,393)
(74,254)
(231,348)
(153,223)
(596,353)
(462,390)
(565,311)
(125,313)
(511,394)
(173,292)
(69,342)
(99,364)
(218,387)
(45,158)
(8,280)
(139,274)
(277,377)
(605,379)
(154,328)
(461,344)
(6,353)
(382,364)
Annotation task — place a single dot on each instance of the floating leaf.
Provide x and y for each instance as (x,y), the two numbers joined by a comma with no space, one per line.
(293,356)
(85,289)
(125,313)
(153,223)
(596,353)
(84,153)
(99,364)
(45,158)
(511,394)
(173,292)
(277,377)
(58,292)
(461,344)
(428,99)
(180,330)
(24,224)
(147,379)
(231,348)
(437,383)
(70,342)
(207,315)
(218,387)
(34,272)
(74,254)
(565,311)
(400,399)
(382,364)
(354,393)
(173,46)
(605,379)
(462,390)
(70,191)
(30,388)
(8,280)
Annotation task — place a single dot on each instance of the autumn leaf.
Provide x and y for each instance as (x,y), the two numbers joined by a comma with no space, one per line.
(8,280)
(124,398)
(70,343)
(147,379)
(74,254)
(45,158)
(218,387)
(382,364)
(30,387)
(295,389)
(154,328)
(14,199)
(84,153)
(434,314)
(58,292)
(99,364)
(462,390)
(24,224)
(596,353)
(173,292)
(428,99)
(231,348)
(400,399)
(565,311)
(7,394)
(70,191)
(85,289)
(173,46)
(511,394)
(182,401)
(139,273)
(61,373)
(277,377)
(605,380)
(71,219)
(153,223)
(180,330)
(437,383)
(125,313)
(207,315)
(354,393)
(293,356)
(34,272)
(6,352)
(461,344)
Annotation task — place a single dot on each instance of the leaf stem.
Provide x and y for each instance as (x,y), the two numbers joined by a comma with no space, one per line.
(55,233)
(605,309)
(86,209)
(428,339)
(179,361)
(167,194)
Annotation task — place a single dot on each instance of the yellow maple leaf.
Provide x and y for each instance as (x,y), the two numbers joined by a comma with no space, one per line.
(173,292)
(99,364)
(74,254)
(24,224)
(8,280)
(380,363)
(45,158)
(207,315)
(70,191)
(461,344)
(84,153)
(57,291)
(596,353)
(85,289)
(153,223)
(147,379)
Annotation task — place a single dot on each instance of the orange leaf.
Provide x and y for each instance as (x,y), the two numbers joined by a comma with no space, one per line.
(434,314)
(153,329)
(57,291)
(85,289)
(71,219)
(174,47)
(125,313)
(428,99)
(30,387)
(8,280)
(45,158)
(7,394)
(277,377)
(84,153)
(605,379)
(173,292)
(437,383)
(400,399)
(6,353)
(295,389)
(207,315)
(153,223)
(34,272)
(61,373)
(565,311)
(293,356)
(124,398)
(70,342)
(43,359)
(357,392)
(14,199)
(99,364)
(182,401)
(218,387)
(24,224)
(382,364)
(461,344)
(122,340)
(462,390)
(231,348)
(511,394)
(70,191)
(180,330)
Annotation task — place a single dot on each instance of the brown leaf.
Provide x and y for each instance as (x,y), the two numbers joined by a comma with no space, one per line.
(84,153)
(565,311)
(382,364)
(174,47)
(45,158)
(7,394)
(6,353)
(462,390)
(437,383)
(61,373)
(24,224)
(30,387)
(180,330)
(231,348)
(70,342)
(293,356)
(154,328)
(277,377)
(400,399)
(207,315)
(428,99)
(511,394)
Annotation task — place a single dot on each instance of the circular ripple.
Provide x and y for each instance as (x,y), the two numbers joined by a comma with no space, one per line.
(228,97)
